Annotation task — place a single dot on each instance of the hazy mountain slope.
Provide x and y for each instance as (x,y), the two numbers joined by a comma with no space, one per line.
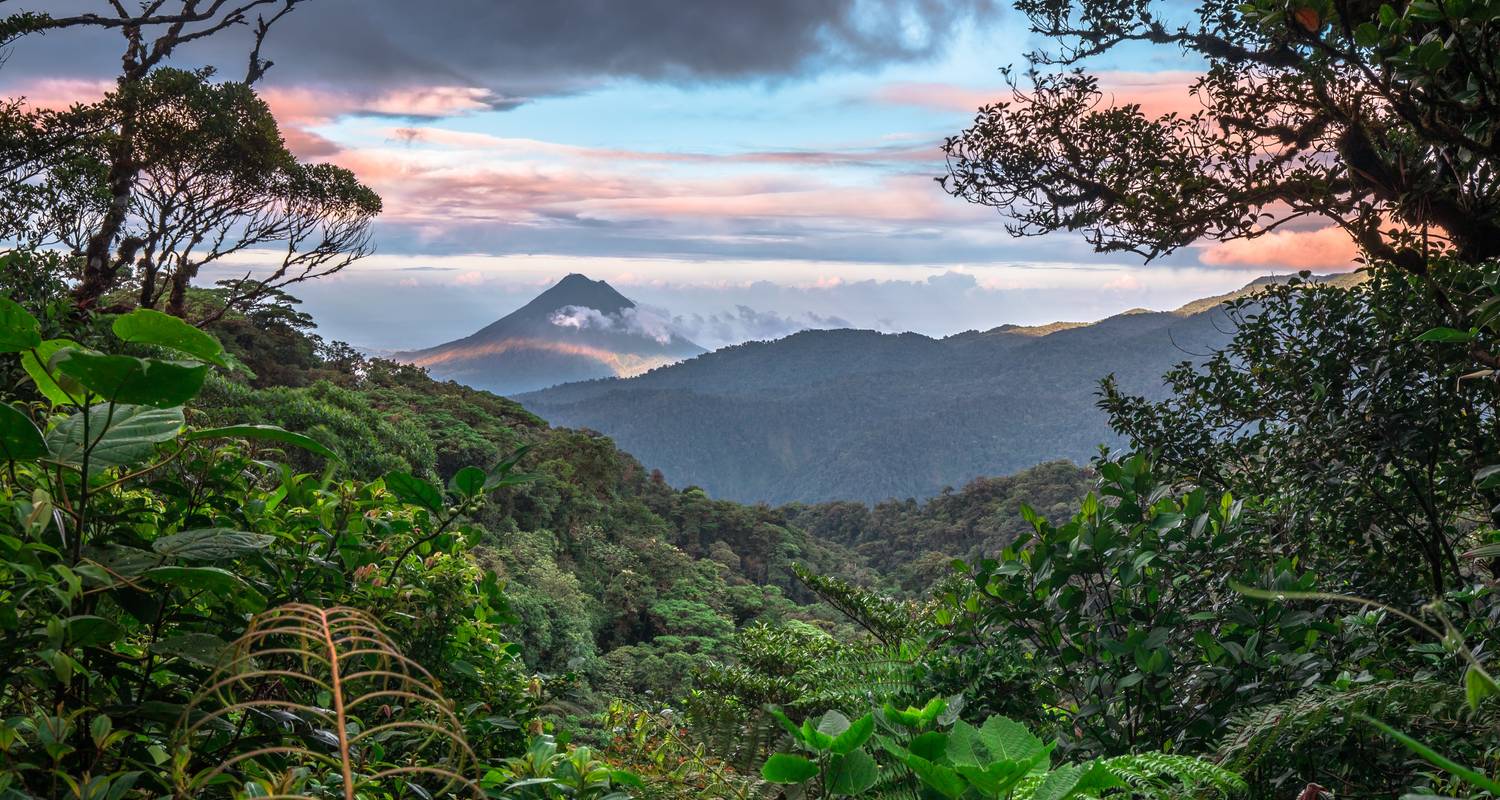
(861,415)
(577,330)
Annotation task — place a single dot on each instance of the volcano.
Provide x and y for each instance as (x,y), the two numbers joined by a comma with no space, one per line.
(579,329)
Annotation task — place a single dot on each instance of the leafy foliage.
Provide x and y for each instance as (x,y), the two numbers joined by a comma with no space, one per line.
(998,759)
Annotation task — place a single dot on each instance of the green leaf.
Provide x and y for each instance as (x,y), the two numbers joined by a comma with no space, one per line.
(1059,784)
(214,580)
(787,768)
(1448,765)
(832,724)
(411,489)
(36,363)
(813,738)
(145,326)
(1451,335)
(199,648)
(939,778)
(1008,739)
(140,381)
(269,433)
(211,544)
(128,436)
(961,742)
(854,736)
(20,439)
(468,481)
(1478,685)
(930,745)
(19,330)
(626,778)
(90,631)
(1484,551)
(128,562)
(851,774)
(786,722)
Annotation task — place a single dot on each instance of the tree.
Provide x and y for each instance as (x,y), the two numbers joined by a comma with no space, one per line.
(1363,439)
(172,171)
(1379,118)
(215,179)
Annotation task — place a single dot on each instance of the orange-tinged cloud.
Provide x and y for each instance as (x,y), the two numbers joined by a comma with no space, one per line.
(1157,93)
(1286,250)
(623,365)
(60,93)
(312,106)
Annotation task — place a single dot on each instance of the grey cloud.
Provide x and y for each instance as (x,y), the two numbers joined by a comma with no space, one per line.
(523,48)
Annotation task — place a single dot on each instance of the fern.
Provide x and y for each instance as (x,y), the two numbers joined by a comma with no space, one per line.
(316,703)
(1163,775)
(1329,714)
(892,622)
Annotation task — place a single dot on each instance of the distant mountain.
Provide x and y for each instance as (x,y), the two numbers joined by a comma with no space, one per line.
(861,415)
(577,330)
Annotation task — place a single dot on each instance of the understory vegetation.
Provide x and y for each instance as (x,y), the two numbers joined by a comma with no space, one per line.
(240,561)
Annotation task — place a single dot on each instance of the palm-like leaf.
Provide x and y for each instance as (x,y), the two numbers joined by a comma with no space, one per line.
(314,703)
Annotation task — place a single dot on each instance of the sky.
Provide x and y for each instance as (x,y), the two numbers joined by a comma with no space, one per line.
(743,169)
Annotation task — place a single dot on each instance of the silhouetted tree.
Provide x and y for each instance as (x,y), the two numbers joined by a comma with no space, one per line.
(1380,118)
(172,171)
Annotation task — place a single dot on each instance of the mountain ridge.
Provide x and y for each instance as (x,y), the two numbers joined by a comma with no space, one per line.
(864,415)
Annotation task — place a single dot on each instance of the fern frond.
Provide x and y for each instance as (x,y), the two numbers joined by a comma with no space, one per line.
(1290,725)
(1163,775)
(313,697)
(889,620)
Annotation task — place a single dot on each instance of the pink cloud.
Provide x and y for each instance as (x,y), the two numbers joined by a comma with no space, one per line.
(1322,249)
(298,109)
(60,93)
(854,154)
(440,188)
(313,106)
(1157,93)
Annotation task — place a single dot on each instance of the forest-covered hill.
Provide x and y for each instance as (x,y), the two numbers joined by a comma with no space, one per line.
(861,415)
(614,574)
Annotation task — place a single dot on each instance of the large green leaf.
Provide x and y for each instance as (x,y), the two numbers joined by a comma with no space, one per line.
(939,778)
(964,746)
(211,544)
(19,330)
(199,648)
(265,432)
(833,723)
(787,768)
(90,631)
(851,774)
(468,481)
(854,736)
(36,363)
(140,381)
(1448,335)
(213,580)
(1008,739)
(127,436)
(145,326)
(20,440)
(127,562)
(414,490)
